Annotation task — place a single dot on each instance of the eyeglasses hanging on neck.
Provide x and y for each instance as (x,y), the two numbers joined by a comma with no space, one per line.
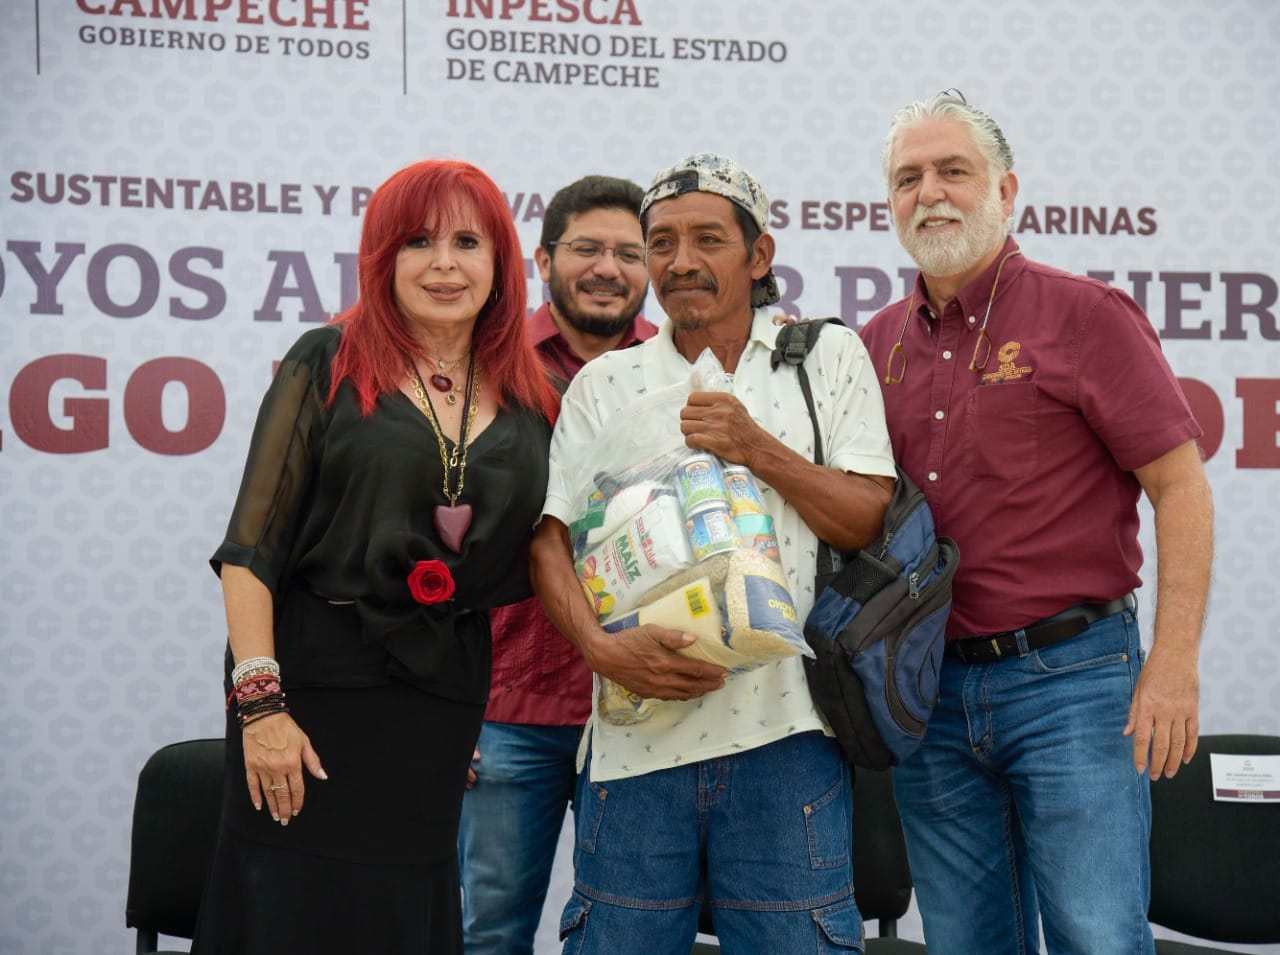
(896,366)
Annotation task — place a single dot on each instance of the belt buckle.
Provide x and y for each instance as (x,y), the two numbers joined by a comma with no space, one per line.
(995,647)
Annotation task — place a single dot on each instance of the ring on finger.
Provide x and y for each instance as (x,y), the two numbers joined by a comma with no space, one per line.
(274,786)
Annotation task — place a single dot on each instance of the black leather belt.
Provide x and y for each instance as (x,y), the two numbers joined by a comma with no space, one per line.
(1042,633)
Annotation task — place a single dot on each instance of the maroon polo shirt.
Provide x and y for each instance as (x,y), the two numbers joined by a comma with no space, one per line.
(559,359)
(538,676)
(1027,463)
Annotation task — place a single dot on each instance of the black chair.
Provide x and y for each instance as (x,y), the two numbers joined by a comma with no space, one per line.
(1215,866)
(881,876)
(175,826)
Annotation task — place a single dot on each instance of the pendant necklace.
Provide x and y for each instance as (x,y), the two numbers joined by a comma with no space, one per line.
(453,519)
(441,381)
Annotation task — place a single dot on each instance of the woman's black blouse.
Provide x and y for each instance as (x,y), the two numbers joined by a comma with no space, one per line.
(338,506)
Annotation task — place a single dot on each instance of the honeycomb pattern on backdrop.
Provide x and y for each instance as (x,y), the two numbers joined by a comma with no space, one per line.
(111,627)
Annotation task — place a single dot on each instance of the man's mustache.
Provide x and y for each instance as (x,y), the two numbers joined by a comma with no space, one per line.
(684,282)
(602,285)
(941,209)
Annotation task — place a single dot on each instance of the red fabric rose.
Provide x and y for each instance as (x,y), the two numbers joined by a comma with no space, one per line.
(430,582)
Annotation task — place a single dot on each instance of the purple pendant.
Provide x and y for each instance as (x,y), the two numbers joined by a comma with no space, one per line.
(452,523)
(441,383)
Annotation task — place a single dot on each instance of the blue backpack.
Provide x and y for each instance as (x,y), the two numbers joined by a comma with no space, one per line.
(877,625)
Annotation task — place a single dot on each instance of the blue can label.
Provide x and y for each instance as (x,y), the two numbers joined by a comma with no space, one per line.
(699,483)
(711,531)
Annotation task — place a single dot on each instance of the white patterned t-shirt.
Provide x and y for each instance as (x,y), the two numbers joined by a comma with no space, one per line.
(762,705)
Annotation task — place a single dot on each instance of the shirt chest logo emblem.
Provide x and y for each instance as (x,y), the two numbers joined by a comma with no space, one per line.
(1009,369)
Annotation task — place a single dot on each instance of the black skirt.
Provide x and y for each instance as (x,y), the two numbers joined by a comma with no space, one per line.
(370,864)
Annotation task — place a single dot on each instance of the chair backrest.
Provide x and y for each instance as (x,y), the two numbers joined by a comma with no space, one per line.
(175,826)
(1215,866)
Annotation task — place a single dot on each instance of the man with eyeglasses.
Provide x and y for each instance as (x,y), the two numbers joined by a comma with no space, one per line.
(729,789)
(1033,407)
(591,254)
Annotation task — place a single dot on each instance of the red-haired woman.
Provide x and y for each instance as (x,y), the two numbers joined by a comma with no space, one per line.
(396,469)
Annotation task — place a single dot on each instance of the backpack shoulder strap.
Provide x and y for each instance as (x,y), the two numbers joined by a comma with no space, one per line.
(794,342)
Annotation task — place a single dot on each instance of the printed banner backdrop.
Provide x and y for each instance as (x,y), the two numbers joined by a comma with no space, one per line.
(181,196)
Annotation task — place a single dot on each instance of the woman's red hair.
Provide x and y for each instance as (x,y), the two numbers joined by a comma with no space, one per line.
(376,338)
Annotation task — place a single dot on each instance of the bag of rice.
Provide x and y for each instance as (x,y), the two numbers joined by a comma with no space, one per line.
(762,619)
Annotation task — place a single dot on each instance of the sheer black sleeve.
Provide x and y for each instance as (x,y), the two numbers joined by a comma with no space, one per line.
(278,473)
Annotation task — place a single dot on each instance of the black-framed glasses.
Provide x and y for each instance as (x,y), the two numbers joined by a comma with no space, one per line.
(589,250)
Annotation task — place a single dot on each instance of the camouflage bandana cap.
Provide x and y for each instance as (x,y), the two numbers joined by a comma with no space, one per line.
(707,172)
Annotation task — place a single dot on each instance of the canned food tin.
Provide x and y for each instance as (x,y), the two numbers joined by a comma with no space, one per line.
(698,481)
(744,496)
(755,532)
(711,532)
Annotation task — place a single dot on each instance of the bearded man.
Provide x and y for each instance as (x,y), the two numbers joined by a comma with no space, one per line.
(1034,407)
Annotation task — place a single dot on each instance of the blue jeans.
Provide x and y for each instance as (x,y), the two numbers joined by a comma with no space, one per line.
(511,822)
(1023,801)
(764,833)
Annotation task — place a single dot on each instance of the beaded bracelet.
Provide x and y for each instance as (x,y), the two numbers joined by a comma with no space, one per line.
(260,706)
(260,716)
(258,699)
(254,666)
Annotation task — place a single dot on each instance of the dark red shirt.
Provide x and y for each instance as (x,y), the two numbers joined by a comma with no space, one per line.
(1028,462)
(538,676)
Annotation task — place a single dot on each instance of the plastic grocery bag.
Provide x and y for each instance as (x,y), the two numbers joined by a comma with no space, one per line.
(676,537)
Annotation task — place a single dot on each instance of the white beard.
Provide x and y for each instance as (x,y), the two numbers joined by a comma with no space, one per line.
(945,255)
